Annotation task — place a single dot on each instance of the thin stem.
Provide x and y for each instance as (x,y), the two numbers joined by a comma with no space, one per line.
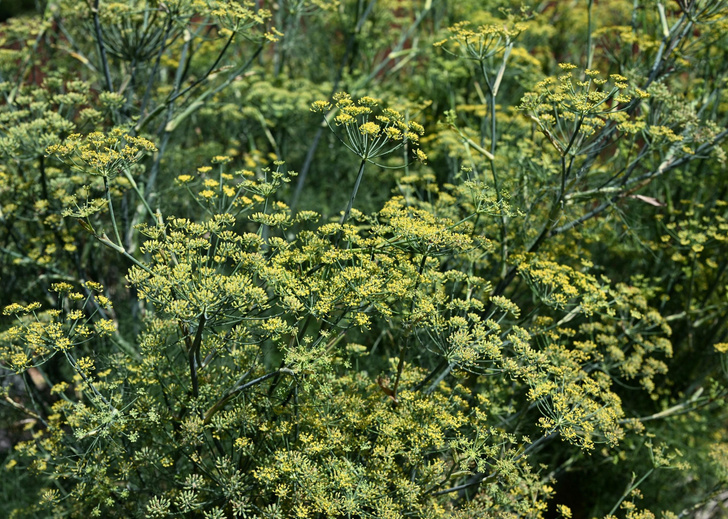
(629,491)
(24,409)
(138,192)
(589,48)
(641,181)
(315,142)
(304,169)
(345,216)
(492,92)
(193,352)
(431,374)
(475,479)
(440,378)
(176,94)
(102,47)
(678,409)
(238,389)
(75,367)
(111,212)
(152,178)
(403,348)
(43,177)
(404,38)
(153,74)
(209,71)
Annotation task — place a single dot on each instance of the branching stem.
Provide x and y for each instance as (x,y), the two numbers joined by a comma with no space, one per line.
(102,47)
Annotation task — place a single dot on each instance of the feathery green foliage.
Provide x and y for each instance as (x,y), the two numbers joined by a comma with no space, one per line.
(323,259)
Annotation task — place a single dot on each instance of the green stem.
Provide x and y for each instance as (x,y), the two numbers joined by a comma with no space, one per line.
(111,212)
(492,93)
(193,354)
(359,176)
(345,216)
(403,348)
(238,389)
(102,47)
(589,49)
(629,491)
(136,189)
(75,367)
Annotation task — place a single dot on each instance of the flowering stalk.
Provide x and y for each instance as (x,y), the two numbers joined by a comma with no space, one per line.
(370,136)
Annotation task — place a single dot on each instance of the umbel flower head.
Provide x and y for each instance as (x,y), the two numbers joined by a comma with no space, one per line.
(566,107)
(100,153)
(482,43)
(369,131)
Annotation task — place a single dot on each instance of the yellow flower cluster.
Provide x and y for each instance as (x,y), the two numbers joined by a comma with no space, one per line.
(569,111)
(100,153)
(39,335)
(371,133)
(481,43)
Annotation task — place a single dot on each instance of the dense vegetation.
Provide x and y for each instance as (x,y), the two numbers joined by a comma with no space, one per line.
(358,259)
